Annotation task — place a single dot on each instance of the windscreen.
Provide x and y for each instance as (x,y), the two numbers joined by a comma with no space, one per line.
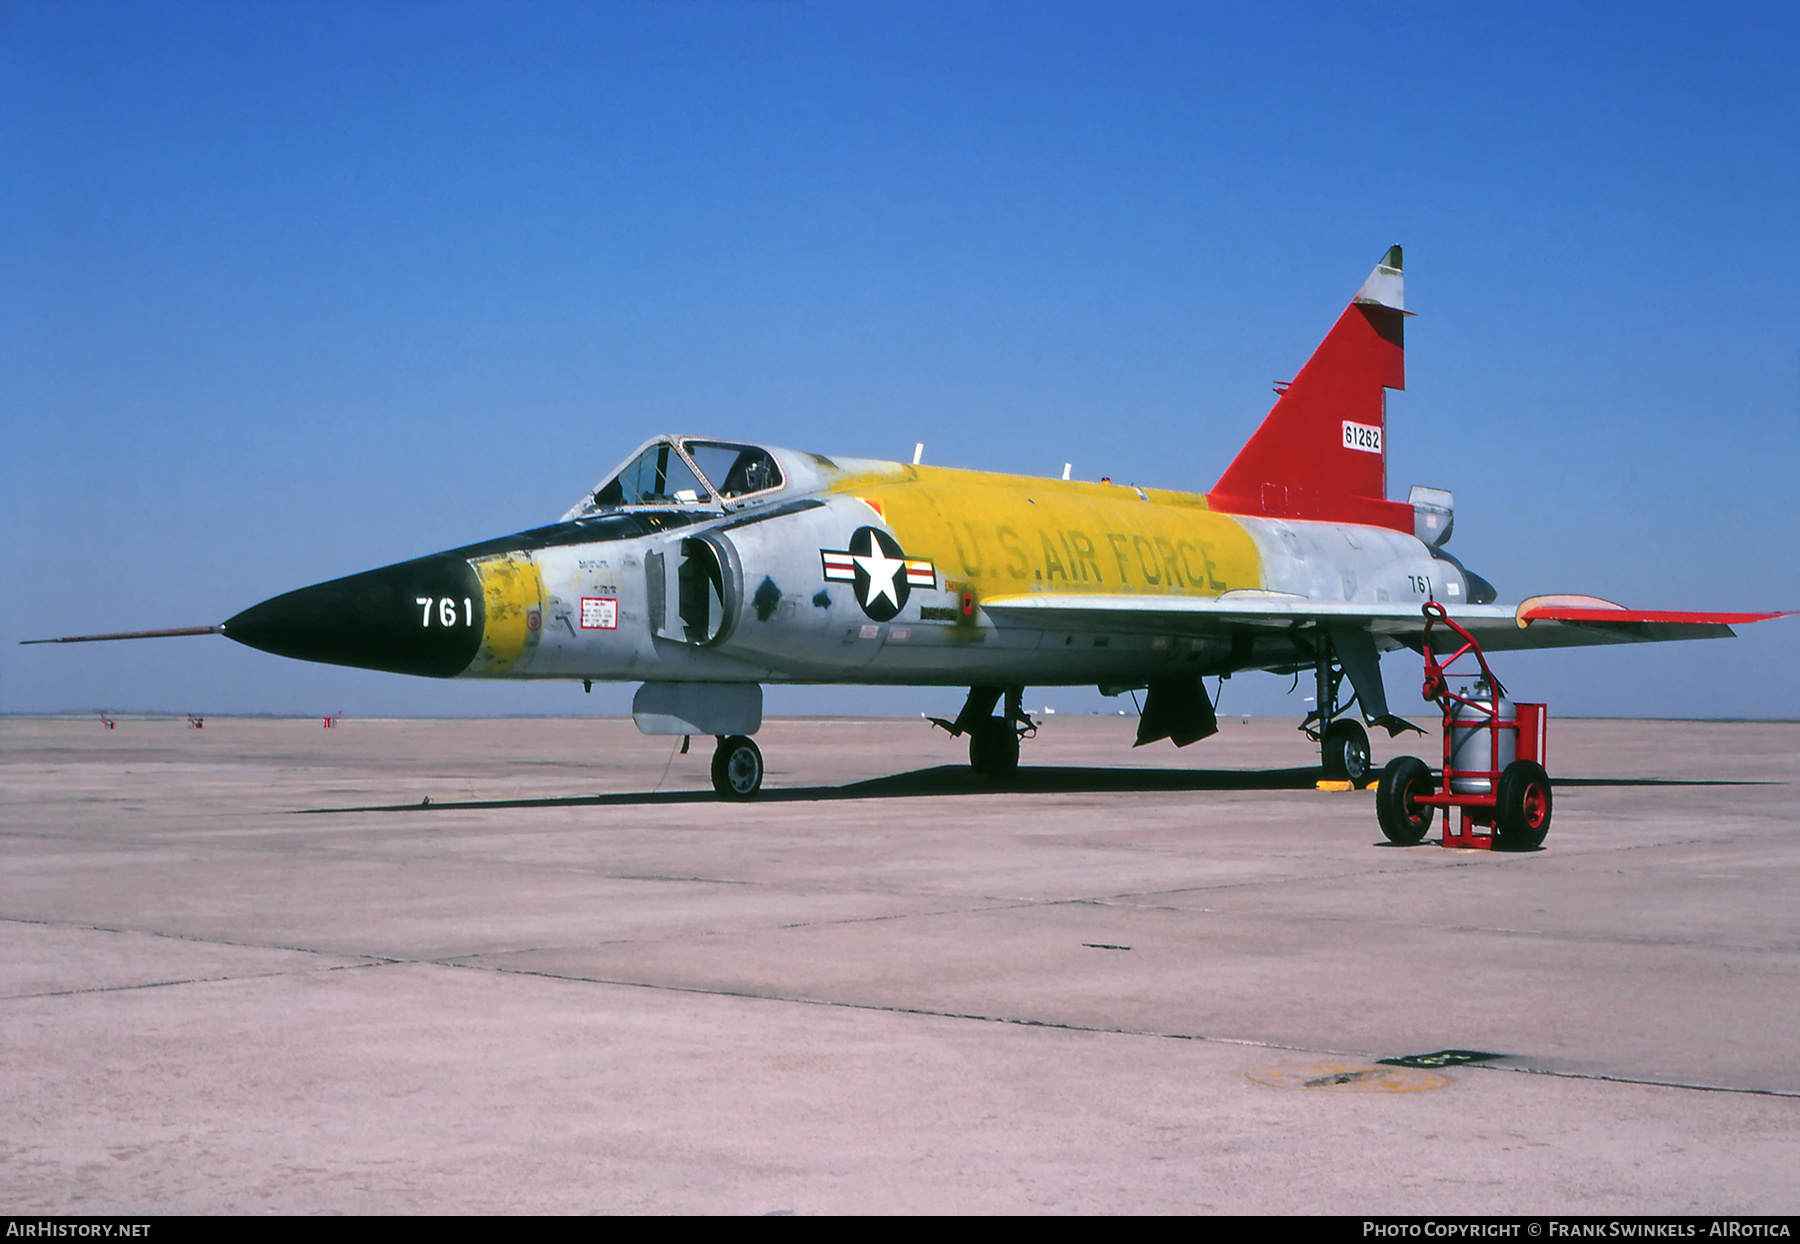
(658,476)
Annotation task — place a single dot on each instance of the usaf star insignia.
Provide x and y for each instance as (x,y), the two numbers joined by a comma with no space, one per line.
(883,575)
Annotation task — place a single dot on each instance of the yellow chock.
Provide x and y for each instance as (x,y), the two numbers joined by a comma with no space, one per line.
(1326,784)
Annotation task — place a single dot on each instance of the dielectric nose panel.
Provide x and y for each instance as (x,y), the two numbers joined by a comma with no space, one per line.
(419,617)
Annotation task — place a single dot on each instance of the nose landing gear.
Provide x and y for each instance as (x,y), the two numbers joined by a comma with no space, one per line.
(737,768)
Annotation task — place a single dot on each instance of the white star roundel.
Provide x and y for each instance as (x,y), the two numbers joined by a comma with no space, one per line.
(883,575)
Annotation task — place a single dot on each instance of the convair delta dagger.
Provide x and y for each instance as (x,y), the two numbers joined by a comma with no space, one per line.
(706,568)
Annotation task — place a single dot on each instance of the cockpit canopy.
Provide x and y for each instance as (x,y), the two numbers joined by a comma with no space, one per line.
(687,474)
(737,471)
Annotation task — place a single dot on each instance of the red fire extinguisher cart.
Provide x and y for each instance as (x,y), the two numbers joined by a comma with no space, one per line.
(1493,771)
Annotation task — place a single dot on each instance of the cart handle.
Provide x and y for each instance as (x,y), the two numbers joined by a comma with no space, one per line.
(1436,688)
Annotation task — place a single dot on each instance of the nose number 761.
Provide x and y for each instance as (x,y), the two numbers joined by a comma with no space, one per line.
(446,610)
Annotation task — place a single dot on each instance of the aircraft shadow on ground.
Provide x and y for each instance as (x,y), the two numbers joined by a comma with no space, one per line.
(945,780)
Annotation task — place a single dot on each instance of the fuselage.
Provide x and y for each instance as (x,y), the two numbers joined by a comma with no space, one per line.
(849,571)
(705,568)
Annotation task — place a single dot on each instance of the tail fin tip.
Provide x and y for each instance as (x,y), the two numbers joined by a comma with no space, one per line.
(1386,285)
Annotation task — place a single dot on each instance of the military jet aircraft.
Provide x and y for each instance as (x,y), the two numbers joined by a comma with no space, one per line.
(705,568)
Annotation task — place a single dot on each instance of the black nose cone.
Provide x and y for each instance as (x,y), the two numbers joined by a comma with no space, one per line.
(419,617)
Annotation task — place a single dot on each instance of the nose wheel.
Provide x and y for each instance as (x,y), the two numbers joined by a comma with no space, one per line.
(737,768)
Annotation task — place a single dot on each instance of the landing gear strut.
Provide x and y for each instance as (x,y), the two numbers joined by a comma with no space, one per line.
(1343,743)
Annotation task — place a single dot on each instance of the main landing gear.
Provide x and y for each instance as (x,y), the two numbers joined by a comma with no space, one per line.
(994,749)
(1340,657)
(993,740)
(1343,743)
(1344,751)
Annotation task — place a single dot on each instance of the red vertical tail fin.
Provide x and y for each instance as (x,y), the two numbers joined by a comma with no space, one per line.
(1321,453)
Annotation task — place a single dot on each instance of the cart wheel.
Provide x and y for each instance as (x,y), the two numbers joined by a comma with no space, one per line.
(1403,819)
(737,768)
(1523,816)
(1345,751)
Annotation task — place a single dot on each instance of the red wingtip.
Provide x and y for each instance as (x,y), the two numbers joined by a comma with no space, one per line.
(1618,614)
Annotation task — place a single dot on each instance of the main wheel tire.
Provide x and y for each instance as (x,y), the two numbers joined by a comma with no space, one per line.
(1345,751)
(994,749)
(1522,816)
(1402,818)
(737,768)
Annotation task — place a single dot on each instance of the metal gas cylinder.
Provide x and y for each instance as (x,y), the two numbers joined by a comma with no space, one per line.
(1470,747)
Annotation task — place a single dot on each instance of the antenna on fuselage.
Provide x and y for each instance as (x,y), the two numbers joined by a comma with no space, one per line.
(918,452)
(1067,467)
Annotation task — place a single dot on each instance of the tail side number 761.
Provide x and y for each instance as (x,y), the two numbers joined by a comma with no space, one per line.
(446,610)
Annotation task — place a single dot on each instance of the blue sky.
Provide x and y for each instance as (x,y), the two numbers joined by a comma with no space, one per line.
(293,290)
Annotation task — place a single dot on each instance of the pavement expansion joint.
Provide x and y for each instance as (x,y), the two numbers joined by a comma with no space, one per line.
(186,980)
(1790,1094)
(1098,1029)
(693,880)
(1477,858)
(196,938)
